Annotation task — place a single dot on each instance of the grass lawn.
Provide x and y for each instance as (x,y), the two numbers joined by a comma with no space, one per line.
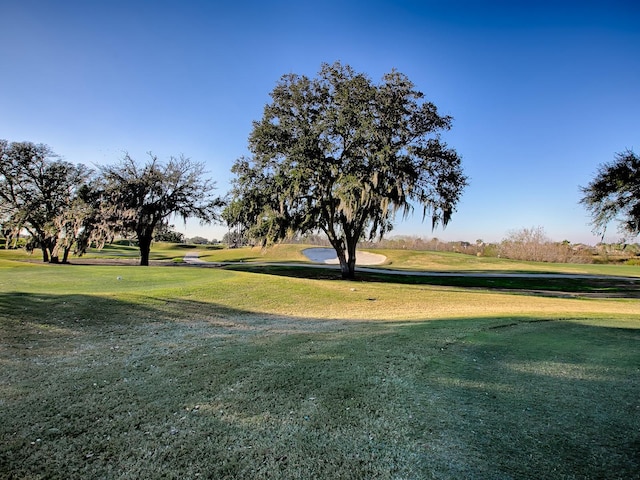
(412,260)
(183,372)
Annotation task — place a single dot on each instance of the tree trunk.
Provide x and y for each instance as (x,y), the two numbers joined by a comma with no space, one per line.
(144,241)
(45,253)
(351,257)
(346,252)
(54,251)
(344,271)
(347,259)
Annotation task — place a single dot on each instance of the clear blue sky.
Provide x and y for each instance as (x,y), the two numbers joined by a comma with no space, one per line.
(541,92)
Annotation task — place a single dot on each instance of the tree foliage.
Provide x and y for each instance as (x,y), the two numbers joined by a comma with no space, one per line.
(238,223)
(165,233)
(614,194)
(136,199)
(43,195)
(342,155)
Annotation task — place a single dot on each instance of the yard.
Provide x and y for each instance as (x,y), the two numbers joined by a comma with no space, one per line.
(116,371)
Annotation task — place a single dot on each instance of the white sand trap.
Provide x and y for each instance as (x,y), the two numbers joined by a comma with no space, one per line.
(329,256)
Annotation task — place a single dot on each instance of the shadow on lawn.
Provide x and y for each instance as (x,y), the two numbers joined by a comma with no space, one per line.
(37,317)
(471,398)
(543,399)
(594,286)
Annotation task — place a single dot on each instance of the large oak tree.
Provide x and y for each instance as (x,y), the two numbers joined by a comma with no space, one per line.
(138,198)
(614,193)
(341,155)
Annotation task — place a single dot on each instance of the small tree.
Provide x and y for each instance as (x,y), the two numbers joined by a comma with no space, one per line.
(525,244)
(138,198)
(614,193)
(341,155)
(10,233)
(237,222)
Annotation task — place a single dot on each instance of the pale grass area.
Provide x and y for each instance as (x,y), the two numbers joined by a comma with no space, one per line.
(274,253)
(325,299)
(566,370)
(457,262)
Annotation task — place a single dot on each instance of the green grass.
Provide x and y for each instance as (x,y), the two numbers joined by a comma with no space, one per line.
(627,287)
(403,260)
(275,253)
(181,372)
(416,260)
(458,262)
(159,251)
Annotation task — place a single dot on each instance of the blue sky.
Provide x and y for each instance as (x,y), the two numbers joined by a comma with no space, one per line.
(541,92)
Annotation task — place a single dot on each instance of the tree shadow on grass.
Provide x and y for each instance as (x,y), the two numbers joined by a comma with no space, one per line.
(552,399)
(590,286)
(177,388)
(34,319)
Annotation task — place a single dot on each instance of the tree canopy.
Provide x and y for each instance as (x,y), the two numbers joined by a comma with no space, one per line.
(63,205)
(342,155)
(43,195)
(139,198)
(614,194)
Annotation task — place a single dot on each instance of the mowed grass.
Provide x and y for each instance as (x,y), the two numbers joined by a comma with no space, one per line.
(458,262)
(417,260)
(183,372)
(275,253)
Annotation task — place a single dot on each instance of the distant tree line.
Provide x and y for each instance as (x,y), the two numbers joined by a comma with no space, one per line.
(65,207)
(532,244)
(526,244)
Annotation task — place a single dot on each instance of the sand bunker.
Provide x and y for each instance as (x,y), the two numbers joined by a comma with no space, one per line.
(329,256)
